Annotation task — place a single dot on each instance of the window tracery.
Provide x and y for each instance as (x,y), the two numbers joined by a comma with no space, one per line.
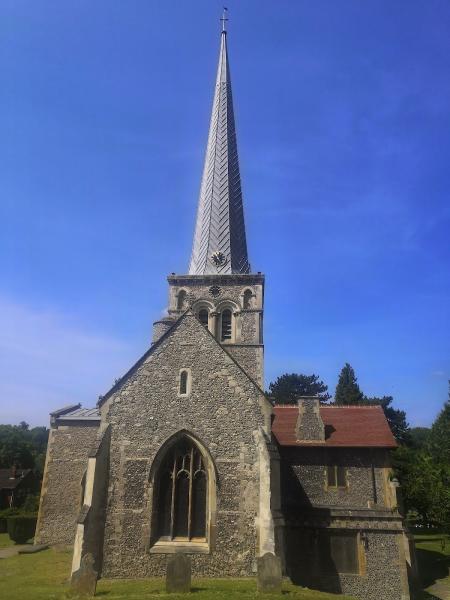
(182,494)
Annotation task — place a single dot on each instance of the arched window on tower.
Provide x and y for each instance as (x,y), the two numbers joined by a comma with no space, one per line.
(181,494)
(248,299)
(182,300)
(226,325)
(203,317)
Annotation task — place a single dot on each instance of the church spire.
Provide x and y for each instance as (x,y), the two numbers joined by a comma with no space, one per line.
(220,245)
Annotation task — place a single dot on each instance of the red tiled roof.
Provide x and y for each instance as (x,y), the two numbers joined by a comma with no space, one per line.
(356,426)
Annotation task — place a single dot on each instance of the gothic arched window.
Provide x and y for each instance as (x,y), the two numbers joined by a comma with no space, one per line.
(203,317)
(248,299)
(226,325)
(181,494)
(181,302)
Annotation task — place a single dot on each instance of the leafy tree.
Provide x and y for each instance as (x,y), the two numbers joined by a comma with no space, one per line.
(420,478)
(439,441)
(287,388)
(23,447)
(419,437)
(347,389)
(423,469)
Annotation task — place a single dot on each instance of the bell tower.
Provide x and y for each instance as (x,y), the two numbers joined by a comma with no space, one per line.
(220,289)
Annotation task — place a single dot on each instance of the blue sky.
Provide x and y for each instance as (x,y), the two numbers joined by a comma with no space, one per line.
(343,123)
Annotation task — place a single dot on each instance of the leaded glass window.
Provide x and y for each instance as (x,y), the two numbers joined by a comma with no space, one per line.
(182,494)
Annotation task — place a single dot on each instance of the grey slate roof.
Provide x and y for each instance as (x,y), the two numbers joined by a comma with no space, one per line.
(75,412)
(220,244)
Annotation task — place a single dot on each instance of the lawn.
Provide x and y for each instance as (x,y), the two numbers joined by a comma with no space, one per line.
(44,576)
(433,560)
(5,540)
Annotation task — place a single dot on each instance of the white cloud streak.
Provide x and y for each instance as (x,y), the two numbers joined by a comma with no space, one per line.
(47,360)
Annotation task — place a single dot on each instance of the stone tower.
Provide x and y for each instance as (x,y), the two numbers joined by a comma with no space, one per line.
(220,288)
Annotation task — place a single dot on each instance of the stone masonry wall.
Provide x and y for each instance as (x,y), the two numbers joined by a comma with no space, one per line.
(224,411)
(304,477)
(251,358)
(67,456)
(381,569)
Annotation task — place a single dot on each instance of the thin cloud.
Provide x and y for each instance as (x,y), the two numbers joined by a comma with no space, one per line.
(47,360)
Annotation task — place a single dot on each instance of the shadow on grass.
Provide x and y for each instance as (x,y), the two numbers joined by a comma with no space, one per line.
(432,566)
(428,596)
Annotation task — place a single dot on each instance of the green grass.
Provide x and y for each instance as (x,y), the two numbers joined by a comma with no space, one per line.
(433,560)
(44,576)
(5,540)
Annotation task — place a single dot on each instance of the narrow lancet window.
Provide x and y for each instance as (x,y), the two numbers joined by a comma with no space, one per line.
(226,325)
(203,317)
(182,298)
(248,299)
(184,375)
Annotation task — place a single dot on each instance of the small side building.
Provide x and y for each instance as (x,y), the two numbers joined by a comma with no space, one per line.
(73,431)
(15,485)
(343,531)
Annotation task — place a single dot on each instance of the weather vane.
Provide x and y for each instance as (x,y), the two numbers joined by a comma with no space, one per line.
(224,19)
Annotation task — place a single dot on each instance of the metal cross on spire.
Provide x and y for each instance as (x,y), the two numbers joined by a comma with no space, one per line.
(224,19)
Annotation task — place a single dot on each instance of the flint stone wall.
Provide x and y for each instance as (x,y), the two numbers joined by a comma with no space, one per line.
(382,570)
(225,410)
(251,358)
(304,477)
(66,463)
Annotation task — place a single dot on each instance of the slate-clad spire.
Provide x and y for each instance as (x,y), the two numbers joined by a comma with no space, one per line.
(220,244)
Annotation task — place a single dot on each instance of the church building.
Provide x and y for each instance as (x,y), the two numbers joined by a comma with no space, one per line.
(185,453)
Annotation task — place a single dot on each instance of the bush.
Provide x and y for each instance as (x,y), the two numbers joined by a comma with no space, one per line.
(4,514)
(31,504)
(21,528)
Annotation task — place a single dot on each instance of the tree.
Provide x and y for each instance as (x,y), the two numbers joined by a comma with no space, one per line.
(347,389)
(420,479)
(287,388)
(396,418)
(439,440)
(419,437)
(23,447)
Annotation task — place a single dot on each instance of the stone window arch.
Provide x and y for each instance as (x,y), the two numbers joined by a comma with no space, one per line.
(247,299)
(182,300)
(227,322)
(183,506)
